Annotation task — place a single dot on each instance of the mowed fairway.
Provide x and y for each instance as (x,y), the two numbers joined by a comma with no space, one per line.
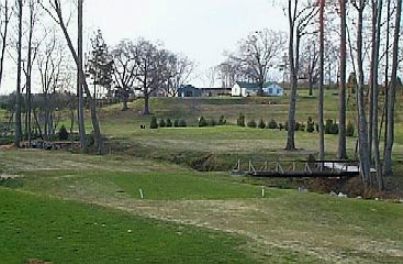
(79,209)
(42,228)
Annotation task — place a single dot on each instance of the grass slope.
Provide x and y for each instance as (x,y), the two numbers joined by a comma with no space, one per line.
(66,232)
(286,227)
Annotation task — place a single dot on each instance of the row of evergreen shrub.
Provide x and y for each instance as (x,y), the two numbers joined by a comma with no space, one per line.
(331,127)
(162,123)
(205,123)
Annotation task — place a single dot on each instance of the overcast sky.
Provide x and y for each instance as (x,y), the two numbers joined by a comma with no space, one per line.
(199,29)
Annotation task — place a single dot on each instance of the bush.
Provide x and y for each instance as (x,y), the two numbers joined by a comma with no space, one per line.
(262,124)
(328,126)
(310,127)
(90,139)
(202,122)
(222,121)
(297,126)
(176,123)
(252,124)
(182,123)
(63,134)
(302,127)
(213,122)
(162,123)
(169,123)
(273,124)
(153,123)
(350,129)
(241,120)
(281,126)
(335,129)
(331,127)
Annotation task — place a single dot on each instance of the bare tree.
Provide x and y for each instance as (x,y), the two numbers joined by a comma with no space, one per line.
(49,63)
(31,55)
(360,6)
(390,136)
(4,24)
(18,125)
(308,66)
(257,54)
(342,143)
(299,17)
(80,71)
(179,69)
(125,69)
(321,79)
(57,15)
(229,73)
(150,63)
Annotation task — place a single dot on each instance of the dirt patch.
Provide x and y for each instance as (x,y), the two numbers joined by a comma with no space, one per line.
(9,177)
(36,261)
(7,147)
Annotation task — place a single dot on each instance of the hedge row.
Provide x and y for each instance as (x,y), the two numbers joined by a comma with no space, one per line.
(205,123)
(331,127)
(162,123)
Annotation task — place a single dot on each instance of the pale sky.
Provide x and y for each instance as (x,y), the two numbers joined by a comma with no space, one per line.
(199,29)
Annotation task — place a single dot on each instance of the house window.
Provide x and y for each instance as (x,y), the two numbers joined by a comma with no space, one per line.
(270,90)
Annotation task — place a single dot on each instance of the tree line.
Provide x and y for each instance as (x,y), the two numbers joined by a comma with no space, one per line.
(44,49)
(326,41)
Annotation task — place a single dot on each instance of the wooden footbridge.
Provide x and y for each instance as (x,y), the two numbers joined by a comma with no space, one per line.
(311,169)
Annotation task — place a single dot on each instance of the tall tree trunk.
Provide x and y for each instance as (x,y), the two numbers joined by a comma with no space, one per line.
(80,93)
(29,73)
(4,40)
(125,95)
(342,144)
(388,170)
(146,103)
(321,80)
(362,118)
(290,146)
(386,88)
(18,127)
(377,13)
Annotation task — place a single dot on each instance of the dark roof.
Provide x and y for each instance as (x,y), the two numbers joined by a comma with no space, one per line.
(215,89)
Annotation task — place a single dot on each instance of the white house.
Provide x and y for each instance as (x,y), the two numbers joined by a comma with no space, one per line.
(245,89)
(274,90)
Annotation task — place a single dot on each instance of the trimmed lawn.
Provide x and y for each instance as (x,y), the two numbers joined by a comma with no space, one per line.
(66,232)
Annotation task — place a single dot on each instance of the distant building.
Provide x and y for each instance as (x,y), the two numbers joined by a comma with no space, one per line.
(246,89)
(191,91)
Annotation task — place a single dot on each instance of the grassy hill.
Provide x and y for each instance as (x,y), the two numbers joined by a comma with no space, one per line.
(224,145)
(71,208)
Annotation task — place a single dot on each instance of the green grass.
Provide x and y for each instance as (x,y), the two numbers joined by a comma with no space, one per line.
(286,227)
(66,232)
(118,175)
(177,186)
